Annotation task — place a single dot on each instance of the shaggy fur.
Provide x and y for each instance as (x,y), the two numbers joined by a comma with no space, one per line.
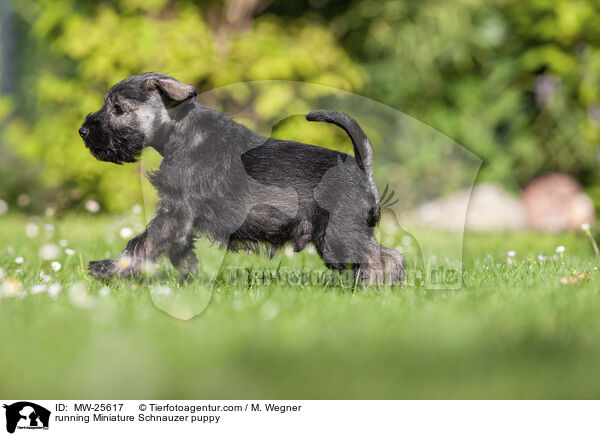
(221,180)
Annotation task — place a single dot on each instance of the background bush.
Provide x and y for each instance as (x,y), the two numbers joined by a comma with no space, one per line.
(71,52)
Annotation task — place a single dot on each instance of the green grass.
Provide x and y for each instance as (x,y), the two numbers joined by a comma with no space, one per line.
(512,331)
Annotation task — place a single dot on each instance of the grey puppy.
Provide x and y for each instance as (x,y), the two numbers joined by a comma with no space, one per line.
(221,180)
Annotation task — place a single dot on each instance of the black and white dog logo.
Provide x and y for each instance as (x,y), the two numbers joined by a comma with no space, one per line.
(26,415)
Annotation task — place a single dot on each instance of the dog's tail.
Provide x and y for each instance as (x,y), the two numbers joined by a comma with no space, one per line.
(362,150)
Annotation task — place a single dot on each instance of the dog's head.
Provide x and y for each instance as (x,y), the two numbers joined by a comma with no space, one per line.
(136,112)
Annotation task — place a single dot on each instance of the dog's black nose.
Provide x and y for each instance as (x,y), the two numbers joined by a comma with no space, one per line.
(83,132)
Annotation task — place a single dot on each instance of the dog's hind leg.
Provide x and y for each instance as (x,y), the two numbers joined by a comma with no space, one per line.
(382,266)
(393,265)
(322,245)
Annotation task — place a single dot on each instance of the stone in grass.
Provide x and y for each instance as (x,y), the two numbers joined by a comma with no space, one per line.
(489,209)
(556,202)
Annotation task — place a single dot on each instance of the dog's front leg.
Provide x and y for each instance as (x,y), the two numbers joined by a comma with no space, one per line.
(186,263)
(130,262)
(165,234)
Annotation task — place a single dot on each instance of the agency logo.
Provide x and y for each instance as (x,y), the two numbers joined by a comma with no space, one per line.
(26,415)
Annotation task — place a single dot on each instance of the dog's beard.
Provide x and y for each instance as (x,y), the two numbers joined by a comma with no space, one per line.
(116,145)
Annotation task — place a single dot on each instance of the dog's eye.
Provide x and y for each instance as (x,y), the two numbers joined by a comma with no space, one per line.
(118,110)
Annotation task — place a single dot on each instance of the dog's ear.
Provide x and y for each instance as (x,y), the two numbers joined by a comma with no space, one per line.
(174,91)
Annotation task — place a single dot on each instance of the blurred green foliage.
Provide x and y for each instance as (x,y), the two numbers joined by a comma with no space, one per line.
(79,49)
(516,82)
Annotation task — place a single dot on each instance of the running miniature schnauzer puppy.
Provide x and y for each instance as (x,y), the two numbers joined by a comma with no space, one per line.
(221,180)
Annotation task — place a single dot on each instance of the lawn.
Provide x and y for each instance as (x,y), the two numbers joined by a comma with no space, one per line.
(530,329)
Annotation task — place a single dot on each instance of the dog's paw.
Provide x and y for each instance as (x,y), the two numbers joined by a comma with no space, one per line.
(102,269)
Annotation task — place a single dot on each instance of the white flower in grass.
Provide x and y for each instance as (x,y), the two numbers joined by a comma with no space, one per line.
(56,266)
(54,289)
(104,291)
(510,259)
(19,260)
(2,273)
(136,209)
(79,296)
(560,249)
(92,206)
(69,252)
(124,262)
(23,200)
(38,289)
(3,207)
(49,252)
(32,230)
(63,242)
(585,227)
(542,258)
(11,288)
(289,252)
(126,233)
